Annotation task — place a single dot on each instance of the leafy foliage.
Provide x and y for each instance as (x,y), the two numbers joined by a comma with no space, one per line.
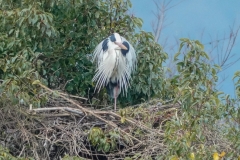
(196,82)
(232,118)
(103,141)
(200,104)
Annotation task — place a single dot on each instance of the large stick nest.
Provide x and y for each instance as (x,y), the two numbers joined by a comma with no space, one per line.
(63,127)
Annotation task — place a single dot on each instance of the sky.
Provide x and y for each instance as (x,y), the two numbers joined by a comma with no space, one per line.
(204,20)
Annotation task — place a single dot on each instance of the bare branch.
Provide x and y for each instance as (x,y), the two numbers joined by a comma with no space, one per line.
(222,48)
(160,15)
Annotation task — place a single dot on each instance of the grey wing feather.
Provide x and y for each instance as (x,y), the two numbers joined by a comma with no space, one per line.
(98,54)
(131,56)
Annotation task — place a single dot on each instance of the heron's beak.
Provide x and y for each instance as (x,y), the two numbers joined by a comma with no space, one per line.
(121,45)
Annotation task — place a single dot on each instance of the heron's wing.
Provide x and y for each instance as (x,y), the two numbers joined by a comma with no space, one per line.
(123,74)
(131,57)
(105,69)
(99,51)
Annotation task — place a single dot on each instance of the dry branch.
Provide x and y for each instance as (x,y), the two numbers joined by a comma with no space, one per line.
(73,110)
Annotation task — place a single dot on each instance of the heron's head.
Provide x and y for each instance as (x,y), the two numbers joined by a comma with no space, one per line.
(117,42)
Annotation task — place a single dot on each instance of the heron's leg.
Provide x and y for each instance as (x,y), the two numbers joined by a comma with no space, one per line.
(115,103)
(115,98)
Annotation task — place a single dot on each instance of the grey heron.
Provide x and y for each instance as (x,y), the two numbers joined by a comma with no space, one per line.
(116,59)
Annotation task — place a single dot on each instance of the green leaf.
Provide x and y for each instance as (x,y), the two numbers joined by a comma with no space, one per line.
(97,14)
(36,82)
(150,67)
(48,32)
(38,25)
(35,19)
(200,44)
(11,31)
(21,21)
(10,45)
(176,55)
(184,40)
(236,74)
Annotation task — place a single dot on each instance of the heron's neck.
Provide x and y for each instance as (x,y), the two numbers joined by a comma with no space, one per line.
(112,45)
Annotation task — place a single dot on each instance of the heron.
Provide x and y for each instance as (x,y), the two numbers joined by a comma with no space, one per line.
(115,61)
